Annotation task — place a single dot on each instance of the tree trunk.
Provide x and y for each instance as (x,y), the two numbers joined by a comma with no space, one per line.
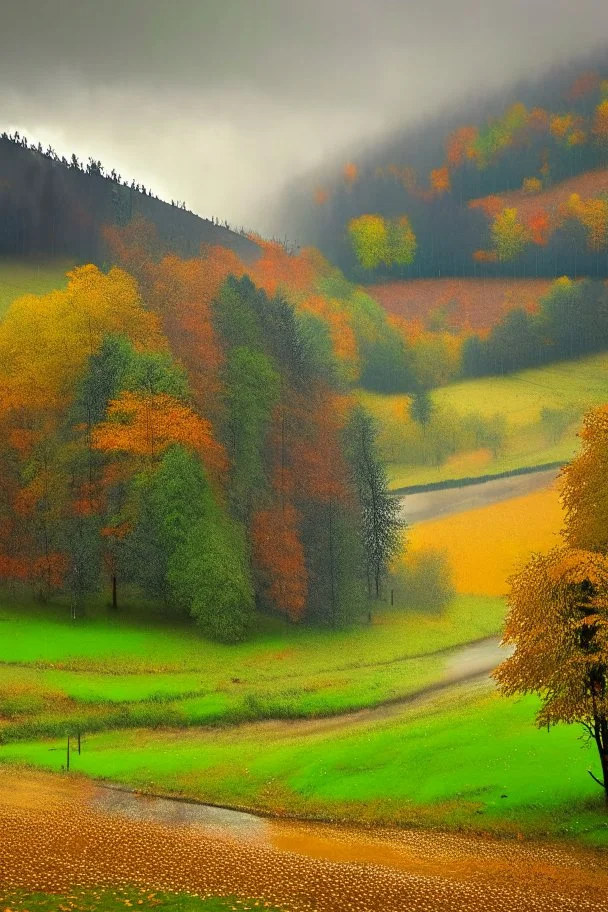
(600,736)
(114,593)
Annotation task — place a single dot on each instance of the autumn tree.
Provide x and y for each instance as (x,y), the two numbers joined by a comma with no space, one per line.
(558,617)
(376,240)
(278,555)
(585,487)
(558,624)
(368,236)
(509,235)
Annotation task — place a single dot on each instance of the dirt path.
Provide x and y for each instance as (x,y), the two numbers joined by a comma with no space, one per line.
(56,832)
(432,504)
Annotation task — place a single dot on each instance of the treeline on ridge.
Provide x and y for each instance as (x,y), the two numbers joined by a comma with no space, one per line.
(54,207)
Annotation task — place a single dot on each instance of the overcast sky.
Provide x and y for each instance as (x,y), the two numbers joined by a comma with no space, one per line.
(220,102)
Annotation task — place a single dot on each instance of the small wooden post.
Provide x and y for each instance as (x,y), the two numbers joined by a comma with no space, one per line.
(68,756)
(392,597)
(79,742)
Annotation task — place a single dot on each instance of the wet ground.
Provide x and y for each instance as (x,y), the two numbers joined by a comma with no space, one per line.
(433,504)
(58,831)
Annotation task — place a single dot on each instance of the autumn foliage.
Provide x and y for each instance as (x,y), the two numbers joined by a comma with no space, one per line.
(558,618)
(181,430)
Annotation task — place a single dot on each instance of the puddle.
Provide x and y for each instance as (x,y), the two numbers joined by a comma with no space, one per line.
(221,821)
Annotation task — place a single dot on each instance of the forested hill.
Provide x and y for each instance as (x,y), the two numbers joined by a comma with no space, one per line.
(53,207)
(515,185)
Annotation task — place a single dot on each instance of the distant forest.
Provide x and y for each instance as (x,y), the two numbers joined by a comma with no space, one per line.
(513,186)
(54,207)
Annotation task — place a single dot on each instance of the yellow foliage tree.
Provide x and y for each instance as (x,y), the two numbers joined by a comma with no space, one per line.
(45,341)
(558,617)
(509,235)
(368,237)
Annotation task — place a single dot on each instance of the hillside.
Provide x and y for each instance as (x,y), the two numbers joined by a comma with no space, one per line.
(51,208)
(528,418)
(406,207)
(458,304)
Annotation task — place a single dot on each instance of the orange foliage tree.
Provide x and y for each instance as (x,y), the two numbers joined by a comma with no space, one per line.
(146,425)
(278,555)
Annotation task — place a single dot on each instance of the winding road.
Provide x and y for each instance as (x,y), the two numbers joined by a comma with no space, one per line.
(426,505)
(57,830)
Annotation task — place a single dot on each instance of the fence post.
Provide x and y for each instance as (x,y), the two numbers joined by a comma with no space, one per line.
(68,756)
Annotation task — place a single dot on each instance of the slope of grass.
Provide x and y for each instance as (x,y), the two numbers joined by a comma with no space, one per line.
(486,545)
(44,636)
(21,277)
(470,760)
(116,900)
(520,398)
(108,672)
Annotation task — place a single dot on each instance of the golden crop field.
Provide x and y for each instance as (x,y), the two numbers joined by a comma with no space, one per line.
(486,545)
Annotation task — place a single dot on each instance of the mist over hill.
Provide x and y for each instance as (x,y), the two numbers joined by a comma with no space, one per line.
(528,138)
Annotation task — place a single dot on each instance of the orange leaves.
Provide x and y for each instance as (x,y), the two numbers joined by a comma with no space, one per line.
(14,568)
(440,181)
(585,486)
(460,146)
(318,469)
(561,125)
(278,270)
(583,85)
(532,185)
(343,339)
(485,256)
(600,123)
(539,227)
(491,206)
(182,291)
(350,173)
(593,215)
(279,556)
(321,196)
(146,425)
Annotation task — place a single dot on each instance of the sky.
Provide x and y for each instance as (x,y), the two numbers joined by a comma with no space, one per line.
(221,103)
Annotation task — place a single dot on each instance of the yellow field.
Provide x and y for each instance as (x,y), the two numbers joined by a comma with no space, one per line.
(485,546)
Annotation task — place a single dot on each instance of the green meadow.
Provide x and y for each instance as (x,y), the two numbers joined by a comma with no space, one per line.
(161,709)
(110,671)
(570,387)
(113,900)
(467,760)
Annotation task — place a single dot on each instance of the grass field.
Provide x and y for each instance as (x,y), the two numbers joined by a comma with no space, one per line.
(21,277)
(113,900)
(110,672)
(468,760)
(520,397)
(485,546)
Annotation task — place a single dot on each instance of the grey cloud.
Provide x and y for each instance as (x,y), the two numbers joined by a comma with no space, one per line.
(222,102)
